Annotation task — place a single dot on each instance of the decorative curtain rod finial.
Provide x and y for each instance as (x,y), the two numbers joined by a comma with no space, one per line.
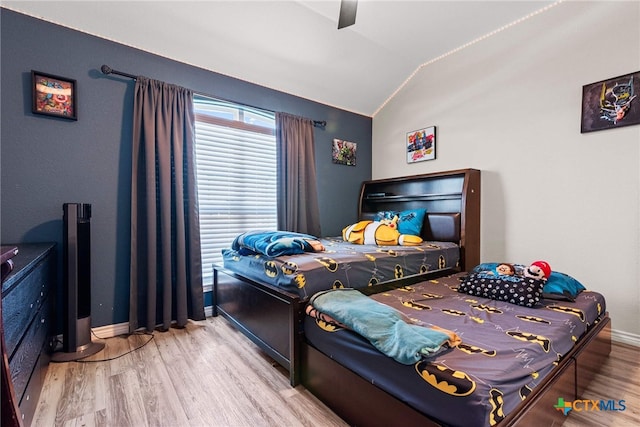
(108,70)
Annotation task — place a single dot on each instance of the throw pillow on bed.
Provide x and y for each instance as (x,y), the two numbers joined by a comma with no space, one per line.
(561,286)
(409,221)
(525,291)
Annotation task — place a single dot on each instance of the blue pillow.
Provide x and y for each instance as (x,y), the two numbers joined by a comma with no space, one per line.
(562,285)
(409,221)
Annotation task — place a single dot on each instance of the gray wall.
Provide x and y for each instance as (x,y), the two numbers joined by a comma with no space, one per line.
(46,162)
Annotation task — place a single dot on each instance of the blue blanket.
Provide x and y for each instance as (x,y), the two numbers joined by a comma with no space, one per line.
(382,325)
(275,243)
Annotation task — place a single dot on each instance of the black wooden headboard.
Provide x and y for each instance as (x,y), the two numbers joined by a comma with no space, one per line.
(451,199)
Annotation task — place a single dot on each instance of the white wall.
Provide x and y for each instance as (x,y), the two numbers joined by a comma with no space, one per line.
(510,106)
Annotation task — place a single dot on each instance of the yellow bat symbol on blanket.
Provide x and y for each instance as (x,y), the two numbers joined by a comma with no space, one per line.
(270,269)
(453,312)
(432,296)
(455,383)
(486,308)
(543,342)
(533,319)
(329,263)
(415,305)
(472,349)
(300,280)
(497,411)
(570,310)
(289,267)
(398,271)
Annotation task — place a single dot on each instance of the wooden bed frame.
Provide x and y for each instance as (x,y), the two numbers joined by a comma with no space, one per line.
(272,317)
(368,405)
(276,327)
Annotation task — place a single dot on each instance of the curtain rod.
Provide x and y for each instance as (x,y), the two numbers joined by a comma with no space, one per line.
(108,70)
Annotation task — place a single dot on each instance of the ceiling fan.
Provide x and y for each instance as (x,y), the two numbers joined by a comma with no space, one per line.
(347,13)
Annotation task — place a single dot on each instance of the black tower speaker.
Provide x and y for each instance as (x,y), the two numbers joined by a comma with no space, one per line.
(76,343)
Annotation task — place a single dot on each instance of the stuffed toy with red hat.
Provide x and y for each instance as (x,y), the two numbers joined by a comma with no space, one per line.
(538,270)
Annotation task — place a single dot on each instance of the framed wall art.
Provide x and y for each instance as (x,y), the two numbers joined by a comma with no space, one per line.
(611,103)
(344,152)
(54,96)
(421,145)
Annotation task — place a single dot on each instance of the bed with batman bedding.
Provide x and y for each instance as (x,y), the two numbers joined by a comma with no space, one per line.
(264,295)
(500,350)
(342,264)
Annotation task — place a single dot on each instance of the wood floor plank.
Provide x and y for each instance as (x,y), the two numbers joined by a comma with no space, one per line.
(209,374)
(618,379)
(87,420)
(117,346)
(50,396)
(126,407)
(101,418)
(102,373)
(158,394)
(77,384)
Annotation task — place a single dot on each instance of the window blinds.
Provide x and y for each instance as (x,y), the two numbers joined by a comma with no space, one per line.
(236,171)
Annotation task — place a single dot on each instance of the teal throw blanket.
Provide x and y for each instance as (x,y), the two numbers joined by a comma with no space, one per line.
(382,325)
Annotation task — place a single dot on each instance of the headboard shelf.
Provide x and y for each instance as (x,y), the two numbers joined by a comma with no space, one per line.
(451,199)
(396,197)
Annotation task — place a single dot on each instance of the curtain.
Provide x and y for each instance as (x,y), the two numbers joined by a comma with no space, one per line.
(166,271)
(297,191)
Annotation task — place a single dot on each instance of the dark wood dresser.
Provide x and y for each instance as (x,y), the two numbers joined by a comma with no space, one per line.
(27,303)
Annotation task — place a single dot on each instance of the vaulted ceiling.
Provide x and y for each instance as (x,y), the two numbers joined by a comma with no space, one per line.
(294,46)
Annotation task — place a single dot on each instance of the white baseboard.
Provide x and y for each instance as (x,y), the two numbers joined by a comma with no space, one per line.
(110,331)
(625,337)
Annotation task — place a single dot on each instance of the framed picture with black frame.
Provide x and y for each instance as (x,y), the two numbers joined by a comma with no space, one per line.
(54,96)
(344,152)
(611,103)
(421,145)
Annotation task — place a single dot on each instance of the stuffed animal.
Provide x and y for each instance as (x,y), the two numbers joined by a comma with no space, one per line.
(505,269)
(393,222)
(538,270)
(377,233)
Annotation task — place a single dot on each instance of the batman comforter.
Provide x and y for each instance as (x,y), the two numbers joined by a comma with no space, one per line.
(506,350)
(341,264)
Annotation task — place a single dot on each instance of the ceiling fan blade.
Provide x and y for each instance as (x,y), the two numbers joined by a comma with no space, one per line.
(347,13)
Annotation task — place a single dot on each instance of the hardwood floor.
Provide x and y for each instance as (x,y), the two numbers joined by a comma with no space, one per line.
(618,379)
(208,374)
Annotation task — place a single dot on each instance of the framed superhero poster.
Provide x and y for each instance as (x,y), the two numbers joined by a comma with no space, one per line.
(54,96)
(344,152)
(421,145)
(611,103)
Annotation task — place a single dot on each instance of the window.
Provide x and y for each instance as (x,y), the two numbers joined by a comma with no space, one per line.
(236,169)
